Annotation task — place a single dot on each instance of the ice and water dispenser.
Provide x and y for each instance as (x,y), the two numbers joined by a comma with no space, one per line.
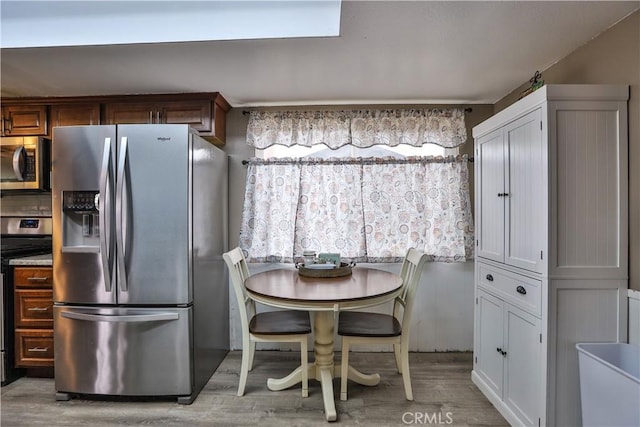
(80,221)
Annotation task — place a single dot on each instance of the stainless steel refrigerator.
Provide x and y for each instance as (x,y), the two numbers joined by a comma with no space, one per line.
(140,288)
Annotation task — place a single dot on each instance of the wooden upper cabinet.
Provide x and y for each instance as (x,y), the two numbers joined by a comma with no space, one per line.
(119,113)
(18,120)
(198,114)
(75,114)
(205,113)
(195,113)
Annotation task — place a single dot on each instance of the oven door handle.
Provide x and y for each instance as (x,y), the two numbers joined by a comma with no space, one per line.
(20,163)
(104,207)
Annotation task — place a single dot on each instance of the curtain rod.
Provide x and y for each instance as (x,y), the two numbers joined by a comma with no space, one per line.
(246,162)
(466,110)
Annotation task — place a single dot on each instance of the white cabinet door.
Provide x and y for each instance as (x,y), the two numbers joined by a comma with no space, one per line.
(522,377)
(489,318)
(525,183)
(490,199)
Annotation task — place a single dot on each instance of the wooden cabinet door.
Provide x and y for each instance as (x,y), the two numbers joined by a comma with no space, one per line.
(33,302)
(197,114)
(131,113)
(489,341)
(18,120)
(34,348)
(34,308)
(33,277)
(523,368)
(75,114)
(490,196)
(525,178)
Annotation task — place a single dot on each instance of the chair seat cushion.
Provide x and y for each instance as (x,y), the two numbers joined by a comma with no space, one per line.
(286,322)
(363,324)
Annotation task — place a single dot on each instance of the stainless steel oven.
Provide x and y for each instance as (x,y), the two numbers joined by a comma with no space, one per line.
(25,163)
(21,237)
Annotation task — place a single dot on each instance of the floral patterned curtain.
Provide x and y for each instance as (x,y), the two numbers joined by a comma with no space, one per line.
(368,210)
(361,128)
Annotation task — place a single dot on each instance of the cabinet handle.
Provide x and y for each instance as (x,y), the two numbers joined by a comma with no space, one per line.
(503,194)
(504,353)
(499,350)
(37,279)
(158,117)
(490,277)
(38,309)
(521,290)
(38,349)
(150,116)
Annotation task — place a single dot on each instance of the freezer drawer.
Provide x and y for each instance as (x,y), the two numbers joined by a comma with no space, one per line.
(123,351)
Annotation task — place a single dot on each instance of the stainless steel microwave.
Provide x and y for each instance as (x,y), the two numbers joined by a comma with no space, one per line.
(26,163)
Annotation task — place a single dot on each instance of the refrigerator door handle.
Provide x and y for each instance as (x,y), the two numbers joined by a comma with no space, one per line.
(105,204)
(120,232)
(156,317)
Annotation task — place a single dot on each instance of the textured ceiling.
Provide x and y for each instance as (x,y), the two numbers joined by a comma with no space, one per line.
(387,52)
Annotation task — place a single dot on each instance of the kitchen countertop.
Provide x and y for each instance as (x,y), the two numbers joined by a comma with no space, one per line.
(35,260)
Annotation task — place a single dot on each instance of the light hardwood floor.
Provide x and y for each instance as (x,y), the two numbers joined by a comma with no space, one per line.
(442,388)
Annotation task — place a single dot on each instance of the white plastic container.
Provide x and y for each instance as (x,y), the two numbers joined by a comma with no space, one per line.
(609,384)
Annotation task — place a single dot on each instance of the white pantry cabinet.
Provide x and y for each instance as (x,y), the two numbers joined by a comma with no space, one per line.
(551,267)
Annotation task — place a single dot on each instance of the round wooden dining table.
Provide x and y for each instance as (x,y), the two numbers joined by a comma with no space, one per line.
(285,288)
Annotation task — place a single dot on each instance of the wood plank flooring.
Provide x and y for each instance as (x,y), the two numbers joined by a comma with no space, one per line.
(442,388)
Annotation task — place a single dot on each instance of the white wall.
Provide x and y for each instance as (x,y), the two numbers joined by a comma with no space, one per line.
(634,317)
(442,316)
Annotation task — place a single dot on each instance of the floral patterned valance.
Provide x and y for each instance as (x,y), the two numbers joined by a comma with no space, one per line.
(361,128)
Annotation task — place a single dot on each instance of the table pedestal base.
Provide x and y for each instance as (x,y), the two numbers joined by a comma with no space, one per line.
(325,376)
(323,368)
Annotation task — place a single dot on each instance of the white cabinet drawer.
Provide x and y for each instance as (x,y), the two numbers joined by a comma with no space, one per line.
(521,291)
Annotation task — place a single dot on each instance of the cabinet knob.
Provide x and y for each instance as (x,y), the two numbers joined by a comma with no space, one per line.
(521,290)
(490,277)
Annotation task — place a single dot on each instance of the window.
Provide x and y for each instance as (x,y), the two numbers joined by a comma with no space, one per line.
(363,183)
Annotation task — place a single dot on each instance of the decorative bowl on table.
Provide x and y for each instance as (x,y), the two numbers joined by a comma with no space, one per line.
(325,270)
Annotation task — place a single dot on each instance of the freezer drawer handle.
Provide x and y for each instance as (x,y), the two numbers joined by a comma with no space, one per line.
(38,309)
(38,350)
(121,319)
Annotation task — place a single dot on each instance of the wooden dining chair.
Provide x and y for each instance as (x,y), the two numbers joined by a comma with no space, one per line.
(271,326)
(357,327)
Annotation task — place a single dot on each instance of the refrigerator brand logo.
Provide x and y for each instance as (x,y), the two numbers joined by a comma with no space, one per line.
(164,138)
